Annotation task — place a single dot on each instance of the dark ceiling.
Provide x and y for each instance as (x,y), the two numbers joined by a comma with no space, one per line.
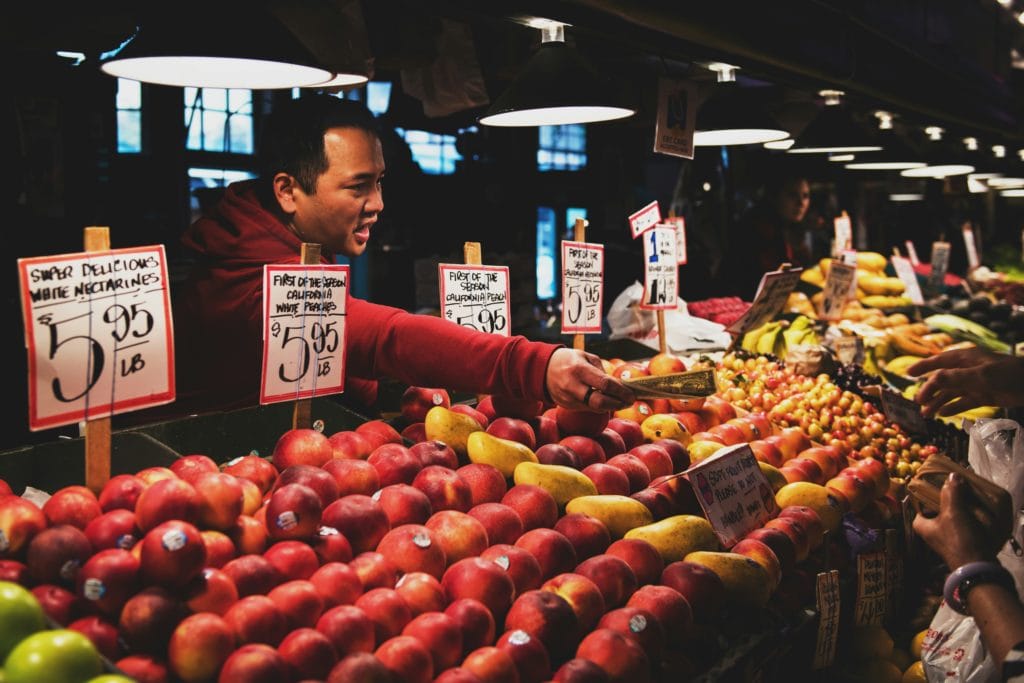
(931,62)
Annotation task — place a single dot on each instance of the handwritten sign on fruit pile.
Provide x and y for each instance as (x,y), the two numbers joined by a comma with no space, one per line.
(903,412)
(772,292)
(644,219)
(828,599)
(475,297)
(940,264)
(303,331)
(582,287)
(98,332)
(661,271)
(734,493)
(837,288)
(679,223)
(905,272)
(872,595)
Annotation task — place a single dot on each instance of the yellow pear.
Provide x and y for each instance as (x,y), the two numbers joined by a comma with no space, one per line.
(619,513)
(563,483)
(746,582)
(453,428)
(664,426)
(814,496)
(677,536)
(503,454)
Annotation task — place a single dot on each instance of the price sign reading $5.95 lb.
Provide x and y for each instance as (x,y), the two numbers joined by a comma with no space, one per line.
(582,287)
(99,334)
(303,331)
(475,297)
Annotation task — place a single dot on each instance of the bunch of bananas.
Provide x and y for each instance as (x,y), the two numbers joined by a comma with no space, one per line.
(778,336)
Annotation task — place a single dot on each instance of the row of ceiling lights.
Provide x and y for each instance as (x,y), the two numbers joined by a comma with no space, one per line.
(557,86)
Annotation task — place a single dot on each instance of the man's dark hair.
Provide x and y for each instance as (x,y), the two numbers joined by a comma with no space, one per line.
(292,140)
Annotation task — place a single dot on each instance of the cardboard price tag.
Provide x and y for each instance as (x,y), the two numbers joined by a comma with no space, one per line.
(677,117)
(841,277)
(894,570)
(98,332)
(644,219)
(849,349)
(971,245)
(872,593)
(912,253)
(940,264)
(304,310)
(772,292)
(661,272)
(843,230)
(828,601)
(733,492)
(582,287)
(903,412)
(905,272)
(476,297)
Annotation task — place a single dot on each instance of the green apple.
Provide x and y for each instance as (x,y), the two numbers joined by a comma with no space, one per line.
(20,616)
(60,656)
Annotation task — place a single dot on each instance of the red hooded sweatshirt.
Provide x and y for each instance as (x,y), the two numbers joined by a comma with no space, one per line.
(219,324)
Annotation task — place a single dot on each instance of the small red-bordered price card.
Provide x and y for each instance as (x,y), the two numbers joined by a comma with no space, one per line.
(476,297)
(680,225)
(582,287)
(644,219)
(99,334)
(304,310)
(661,272)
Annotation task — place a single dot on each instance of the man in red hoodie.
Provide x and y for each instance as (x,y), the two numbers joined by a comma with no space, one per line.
(321,174)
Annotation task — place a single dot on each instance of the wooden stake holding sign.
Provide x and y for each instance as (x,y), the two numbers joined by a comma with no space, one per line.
(97,431)
(302,412)
(580,235)
(99,337)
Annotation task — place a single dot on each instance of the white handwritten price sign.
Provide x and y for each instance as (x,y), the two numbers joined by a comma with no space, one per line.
(304,309)
(733,491)
(872,594)
(772,292)
(828,600)
(644,219)
(843,230)
(940,264)
(475,297)
(905,272)
(837,288)
(971,245)
(903,412)
(98,332)
(680,225)
(582,287)
(661,272)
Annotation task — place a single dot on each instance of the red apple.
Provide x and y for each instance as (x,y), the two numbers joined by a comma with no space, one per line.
(502,523)
(407,658)
(350,445)
(374,570)
(780,543)
(152,475)
(536,507)
(416,401)
(199,647)
(458,534)
(557,454)
(172,554)
(767,452)
(56,554)
(378,433)
(546,616)
(629,430)
(15,572)
(480,579)
(586,449)
(482,418)
(256,619)
(211,591)
(316,478)
(669,607)
(165,500)
(330,545)
(337,584)
(701,587)
(108,579)
(799,469)
(612,575)
(809,520)
(259,471)
(292,559)
(100,632)
(301,447)
(353,476)
(636,471)
(521,566)
(445,489)
(413,548)
(657,500)
(578,670)
(252,575)
(522,408)
(59,604)
(360,519)
(655,457)
(300,603)
(308,654)
(694,422)
(608,479)
(249,535)
(486,482)
(422,593)
(440,635)
(74,505)
(620,656)
(294,511)
(387,610)
(583,595)
(857,489)
(610,441)
(677,452)
(642,557)
(513,429)
(491,665)
(348,628)
(220,499)
(360,666)
(588,535)
(528,654)
(474,620)
(415,433)
(546,429)
(254,663)
(639,625)
(190,467)
(395,464)
(404,504)
(797,533)
(552,550)
(435,453)
(121,492)
(148,619)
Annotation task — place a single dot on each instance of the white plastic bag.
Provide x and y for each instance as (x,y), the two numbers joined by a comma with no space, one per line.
(952,650)
(683,332)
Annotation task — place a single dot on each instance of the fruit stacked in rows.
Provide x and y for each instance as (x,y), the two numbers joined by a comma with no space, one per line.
(724,310)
